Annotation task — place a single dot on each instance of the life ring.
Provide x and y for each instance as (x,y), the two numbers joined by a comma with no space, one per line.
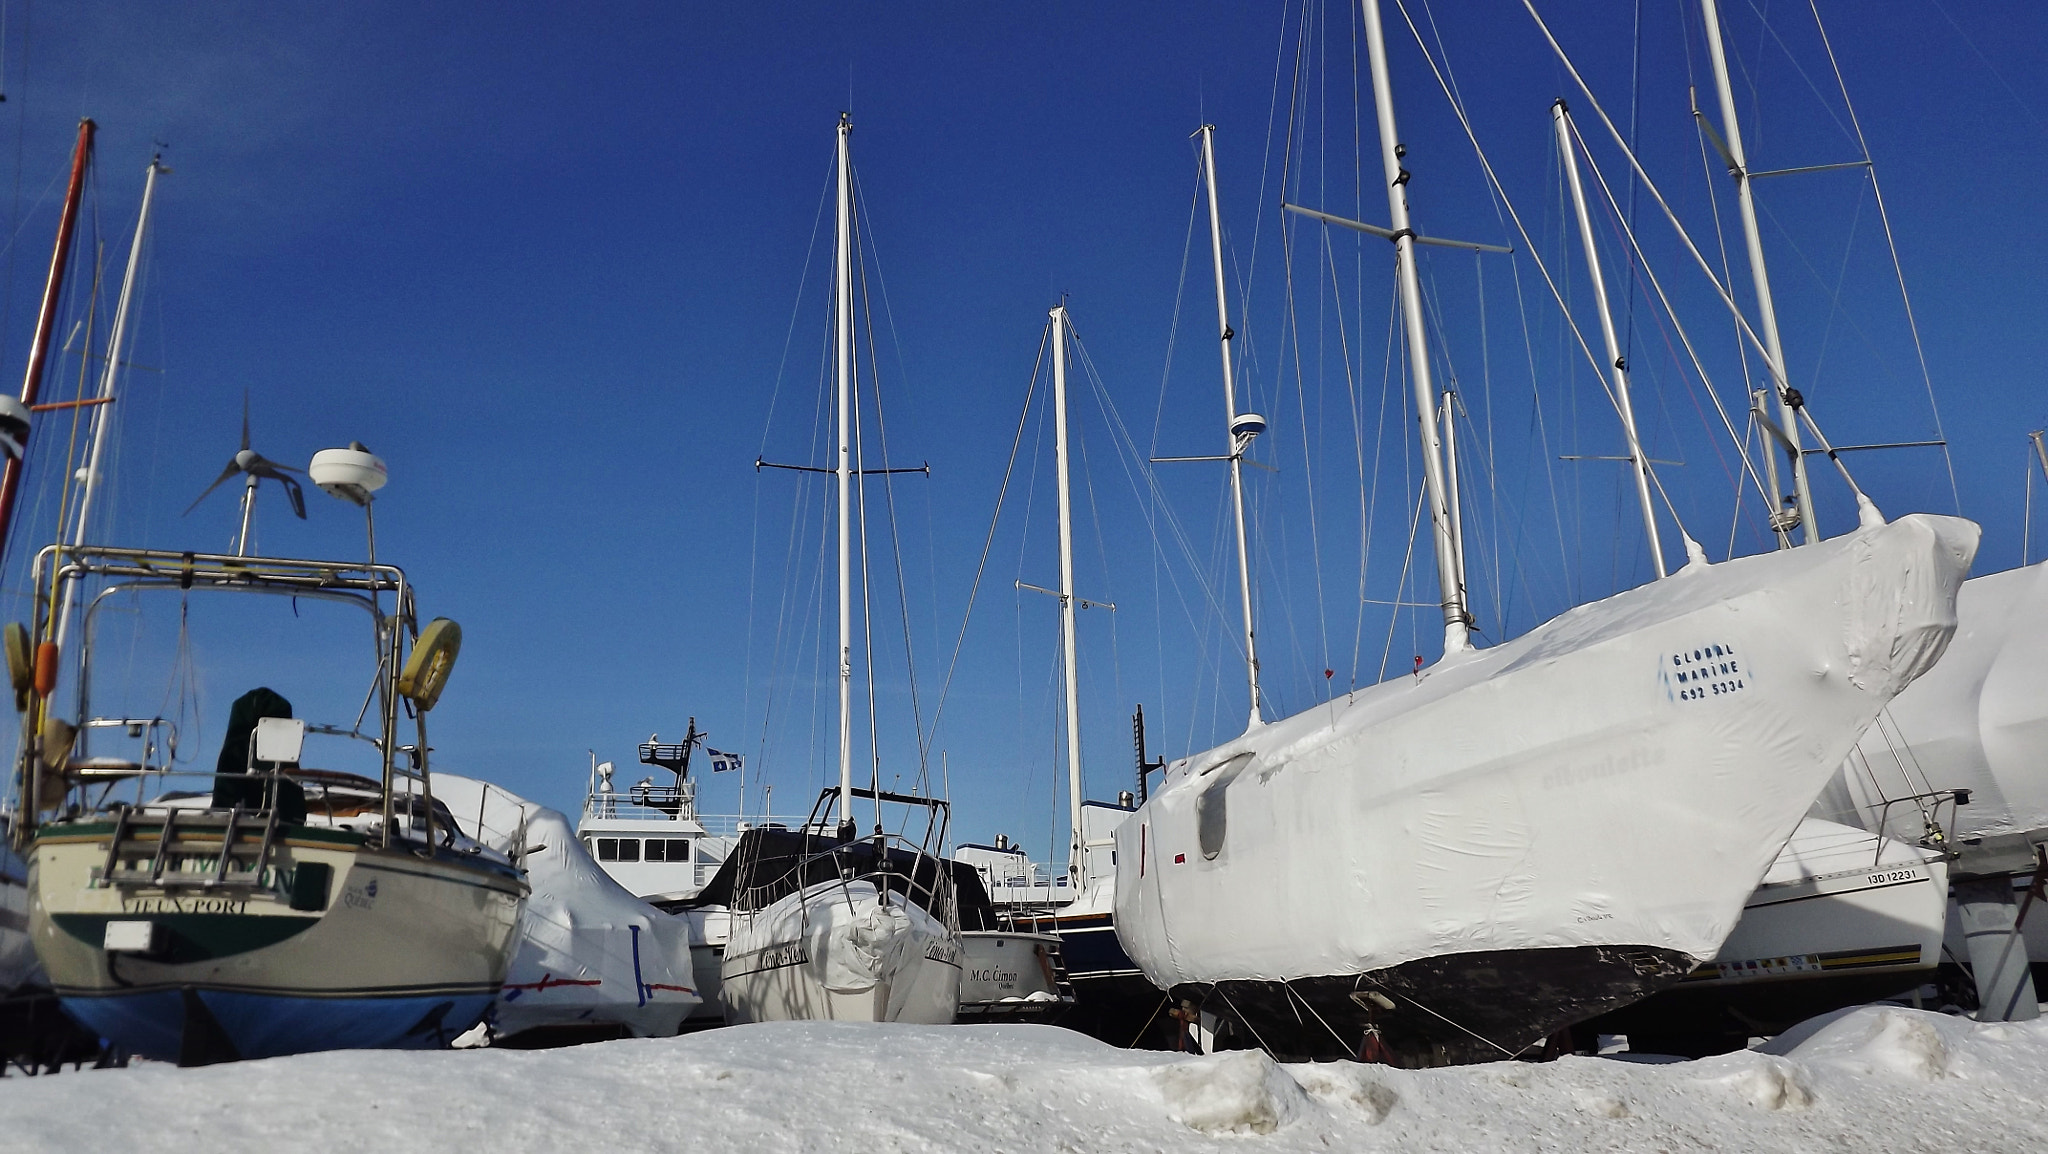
(433,657)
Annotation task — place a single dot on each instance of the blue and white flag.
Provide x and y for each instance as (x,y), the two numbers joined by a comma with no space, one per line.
(720,762)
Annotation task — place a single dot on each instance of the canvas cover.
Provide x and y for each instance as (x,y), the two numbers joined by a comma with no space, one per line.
(590,953)
(1622,775)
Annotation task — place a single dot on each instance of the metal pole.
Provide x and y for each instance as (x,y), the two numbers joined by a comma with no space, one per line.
(104,416)
(39,350)
(843,326)
(1767,312)
(1451,483)
(1639,463)
(248,513)
(1076,844)
(1224,335)
(1391,153)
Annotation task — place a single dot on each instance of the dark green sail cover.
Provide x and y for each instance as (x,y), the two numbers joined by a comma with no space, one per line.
(237,789)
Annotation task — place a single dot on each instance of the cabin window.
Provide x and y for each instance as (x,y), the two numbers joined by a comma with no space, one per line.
(607,849)
(629,849)
(1212,815)
(1212,818)
(673,849)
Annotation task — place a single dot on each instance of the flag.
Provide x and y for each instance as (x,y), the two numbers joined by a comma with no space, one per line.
(720,762)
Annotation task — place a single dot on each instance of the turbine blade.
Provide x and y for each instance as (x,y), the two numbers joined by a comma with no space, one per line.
(224,475)
(292,490)
(245,418)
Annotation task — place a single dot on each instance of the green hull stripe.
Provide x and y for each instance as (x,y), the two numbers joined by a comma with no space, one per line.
(193,937)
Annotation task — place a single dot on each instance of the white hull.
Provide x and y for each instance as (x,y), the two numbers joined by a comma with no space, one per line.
(1607,790)
(1837,901)
(837,951)
(709,928)
(1008,976)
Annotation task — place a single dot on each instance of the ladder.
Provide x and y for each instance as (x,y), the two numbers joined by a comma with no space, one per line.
(182,849)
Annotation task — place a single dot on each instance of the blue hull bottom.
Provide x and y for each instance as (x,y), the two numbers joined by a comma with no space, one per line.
(154,1023)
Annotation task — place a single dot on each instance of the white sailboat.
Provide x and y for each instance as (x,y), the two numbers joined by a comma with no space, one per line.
(1452,866)
(1960,763)
(826,924)
(1843,916)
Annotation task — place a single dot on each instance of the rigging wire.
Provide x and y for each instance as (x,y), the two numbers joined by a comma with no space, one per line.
(1892,245)
(753,550)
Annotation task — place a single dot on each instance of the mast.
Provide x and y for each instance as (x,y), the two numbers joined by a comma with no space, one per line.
(1638,461)
(1767,312)
(109,377)
(1391,151)
(1451,484)
(1076,844)
(32,383)
(843,384)
(1238,438)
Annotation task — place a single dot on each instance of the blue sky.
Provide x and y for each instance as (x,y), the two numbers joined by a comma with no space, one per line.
(552,265)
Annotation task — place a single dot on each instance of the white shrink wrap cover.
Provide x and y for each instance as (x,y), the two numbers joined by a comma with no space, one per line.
(590,953)
(1976,721)
(1621,776)
(844,951)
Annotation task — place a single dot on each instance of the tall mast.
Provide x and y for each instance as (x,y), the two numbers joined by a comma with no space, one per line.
(843,383)
(1076,844)
(32,383)
(1638,461)
(1391,152)
(1451,485)
(1238,440)
(104,416)
(1767,311)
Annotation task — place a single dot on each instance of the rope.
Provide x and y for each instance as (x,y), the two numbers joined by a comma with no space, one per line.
(1463,1029)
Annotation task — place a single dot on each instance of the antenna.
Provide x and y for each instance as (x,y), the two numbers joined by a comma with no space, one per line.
(352,474)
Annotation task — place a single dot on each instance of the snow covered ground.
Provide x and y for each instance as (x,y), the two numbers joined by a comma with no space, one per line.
(1874,1079)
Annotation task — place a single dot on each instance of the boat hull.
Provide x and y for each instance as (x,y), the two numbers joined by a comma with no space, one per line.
(1010,977)
(1595,800)
(1500,1003)
(401,950)
(840,952)
(1842,918)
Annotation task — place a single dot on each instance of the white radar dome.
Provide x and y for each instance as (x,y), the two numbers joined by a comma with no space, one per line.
(351,474)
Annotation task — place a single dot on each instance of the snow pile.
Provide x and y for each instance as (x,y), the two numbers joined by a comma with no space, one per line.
(1873,1079)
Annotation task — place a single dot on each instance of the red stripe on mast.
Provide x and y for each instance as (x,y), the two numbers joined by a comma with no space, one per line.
(10,480)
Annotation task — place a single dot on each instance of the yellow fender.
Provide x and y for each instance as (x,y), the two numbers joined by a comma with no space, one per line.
(433,657)
(21,667)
